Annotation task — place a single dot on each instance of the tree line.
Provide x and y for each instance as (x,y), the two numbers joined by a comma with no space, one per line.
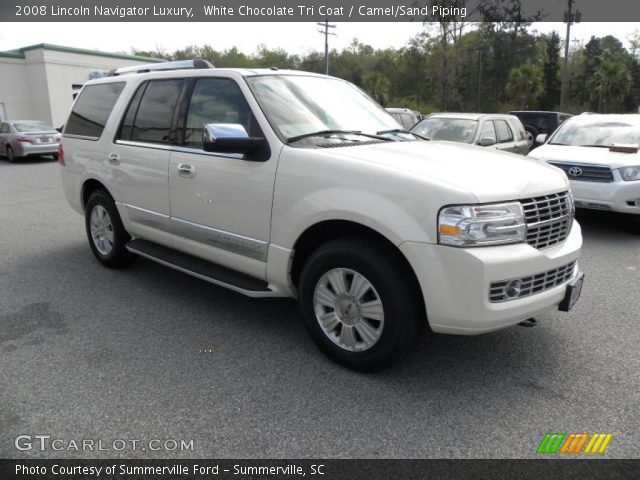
(493,66)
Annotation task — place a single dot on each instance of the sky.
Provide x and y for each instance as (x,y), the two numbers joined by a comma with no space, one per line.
(299,38)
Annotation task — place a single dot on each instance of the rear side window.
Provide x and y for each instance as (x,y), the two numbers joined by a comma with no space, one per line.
(504,132)
(155,114)
(488,131)
(92,109)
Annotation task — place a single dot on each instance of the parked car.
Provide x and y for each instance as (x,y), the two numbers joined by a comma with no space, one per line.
(499,131)
(599,154)
(405,116)
(540,122)
(26,138)
(277,183)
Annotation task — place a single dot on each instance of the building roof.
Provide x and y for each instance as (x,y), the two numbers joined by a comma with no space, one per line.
(19,53)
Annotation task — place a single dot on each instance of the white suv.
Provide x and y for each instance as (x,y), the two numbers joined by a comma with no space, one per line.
(284,183)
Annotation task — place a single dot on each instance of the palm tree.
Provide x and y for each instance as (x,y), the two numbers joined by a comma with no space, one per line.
(610,82)
(525,85)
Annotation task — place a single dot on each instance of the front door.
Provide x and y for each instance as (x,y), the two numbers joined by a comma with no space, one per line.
(220,203)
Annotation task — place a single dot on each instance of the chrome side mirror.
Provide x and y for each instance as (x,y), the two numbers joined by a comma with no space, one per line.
(228,138)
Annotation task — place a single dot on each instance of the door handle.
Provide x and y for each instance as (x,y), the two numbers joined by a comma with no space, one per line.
(186,170)
(114,158)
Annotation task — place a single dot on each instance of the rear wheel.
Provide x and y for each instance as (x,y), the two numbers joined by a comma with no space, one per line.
(11,155)
(531,134)
(106,234)
(360,303)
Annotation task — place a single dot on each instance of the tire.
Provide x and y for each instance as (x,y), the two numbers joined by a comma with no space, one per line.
(105,232)
(11,155)
(532,133)
(361,303)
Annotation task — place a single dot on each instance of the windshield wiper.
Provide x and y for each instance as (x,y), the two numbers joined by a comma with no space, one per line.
(599,146)
(402,130)
(322,133)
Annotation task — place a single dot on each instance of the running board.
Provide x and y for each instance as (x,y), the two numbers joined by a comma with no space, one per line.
(199,268)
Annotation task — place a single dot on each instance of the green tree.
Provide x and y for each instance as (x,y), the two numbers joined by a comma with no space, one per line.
(609,84)
(550,73)
(525,85)
(377,85)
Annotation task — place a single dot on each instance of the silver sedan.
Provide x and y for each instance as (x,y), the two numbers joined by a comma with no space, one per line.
(24,138)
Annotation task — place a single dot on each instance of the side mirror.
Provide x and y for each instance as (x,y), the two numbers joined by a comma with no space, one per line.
(541,138)
(229,138)
(487,141)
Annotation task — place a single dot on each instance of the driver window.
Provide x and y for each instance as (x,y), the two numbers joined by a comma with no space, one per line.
(215,100)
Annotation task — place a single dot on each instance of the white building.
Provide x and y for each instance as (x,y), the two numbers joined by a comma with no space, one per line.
(40,82)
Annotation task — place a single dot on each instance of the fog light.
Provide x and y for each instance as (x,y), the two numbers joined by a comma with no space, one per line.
(514,288)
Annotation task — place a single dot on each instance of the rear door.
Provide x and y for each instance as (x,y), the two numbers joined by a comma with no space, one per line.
(4,136)
(506,140)
(139,158)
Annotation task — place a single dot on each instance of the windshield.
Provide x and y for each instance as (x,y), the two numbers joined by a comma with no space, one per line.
(453,129)
(300,105)
(32,126)
(601,134)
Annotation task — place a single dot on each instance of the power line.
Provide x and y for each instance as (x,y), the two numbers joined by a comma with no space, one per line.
(326,33)
(569,18)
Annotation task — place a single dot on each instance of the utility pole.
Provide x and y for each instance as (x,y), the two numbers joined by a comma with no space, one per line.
(326,33)
(569,18)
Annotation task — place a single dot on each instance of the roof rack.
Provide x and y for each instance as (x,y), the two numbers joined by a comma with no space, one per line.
(158,67)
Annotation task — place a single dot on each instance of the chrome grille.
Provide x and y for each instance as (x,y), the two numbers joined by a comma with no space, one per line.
(505,290)
(585,173)
(549,219)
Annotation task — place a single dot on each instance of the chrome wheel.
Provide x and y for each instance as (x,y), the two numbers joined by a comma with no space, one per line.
(348,309)
(529,138)
(101,230)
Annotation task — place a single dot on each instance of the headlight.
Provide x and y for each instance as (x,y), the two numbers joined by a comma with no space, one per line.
(481,225)
(630,173)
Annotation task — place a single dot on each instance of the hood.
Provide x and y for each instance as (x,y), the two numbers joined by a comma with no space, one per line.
(585,155)
(486,173)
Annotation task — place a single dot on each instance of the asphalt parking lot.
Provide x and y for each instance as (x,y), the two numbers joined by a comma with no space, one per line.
(151,353)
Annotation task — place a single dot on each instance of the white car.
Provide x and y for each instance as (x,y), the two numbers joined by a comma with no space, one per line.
(599,154)
(289,184)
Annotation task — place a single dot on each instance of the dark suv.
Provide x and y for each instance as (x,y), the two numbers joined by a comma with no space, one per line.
(537,122)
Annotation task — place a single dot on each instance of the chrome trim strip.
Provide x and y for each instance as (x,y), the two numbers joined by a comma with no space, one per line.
(156,146)
(178,148)
(249,293)
(198,151)
(148,218)
(232,242)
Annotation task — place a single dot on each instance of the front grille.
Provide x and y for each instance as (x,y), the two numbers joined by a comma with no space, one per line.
(505,290)
(585,173)
(549,219)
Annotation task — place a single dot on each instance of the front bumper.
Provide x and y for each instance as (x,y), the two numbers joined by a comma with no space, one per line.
(618,196)
(455,282)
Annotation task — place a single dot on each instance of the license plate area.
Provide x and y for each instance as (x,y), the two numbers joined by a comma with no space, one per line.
(572,294)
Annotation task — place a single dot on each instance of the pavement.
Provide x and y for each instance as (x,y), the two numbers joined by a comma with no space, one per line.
(88,353)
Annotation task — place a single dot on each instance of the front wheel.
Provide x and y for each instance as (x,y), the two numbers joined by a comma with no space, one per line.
(106,234)
(360,303)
